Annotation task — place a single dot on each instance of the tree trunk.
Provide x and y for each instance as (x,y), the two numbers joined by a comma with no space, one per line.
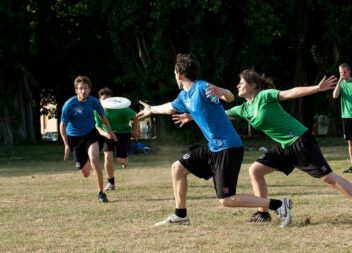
(16,123)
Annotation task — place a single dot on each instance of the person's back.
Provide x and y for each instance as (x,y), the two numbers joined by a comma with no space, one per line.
(209,115)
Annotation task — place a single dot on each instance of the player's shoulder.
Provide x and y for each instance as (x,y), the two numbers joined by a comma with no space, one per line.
(71,101)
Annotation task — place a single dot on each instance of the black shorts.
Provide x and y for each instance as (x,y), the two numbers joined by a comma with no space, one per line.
(304,153)
(119,147)
(79,146)
(347,129)
(223,166)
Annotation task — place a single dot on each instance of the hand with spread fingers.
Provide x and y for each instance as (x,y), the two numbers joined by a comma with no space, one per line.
(181,119)
(145,112)
(327,83)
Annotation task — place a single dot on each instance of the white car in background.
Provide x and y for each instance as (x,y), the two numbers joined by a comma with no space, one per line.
(50,136)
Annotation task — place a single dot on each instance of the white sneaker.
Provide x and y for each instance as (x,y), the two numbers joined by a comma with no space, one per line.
(173,219)
(109,187)
(284,212)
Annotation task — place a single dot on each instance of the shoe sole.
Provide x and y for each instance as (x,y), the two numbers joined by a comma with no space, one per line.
(187,223)
(289,205)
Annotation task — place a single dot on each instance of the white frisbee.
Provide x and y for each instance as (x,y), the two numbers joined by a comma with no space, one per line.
(115,103)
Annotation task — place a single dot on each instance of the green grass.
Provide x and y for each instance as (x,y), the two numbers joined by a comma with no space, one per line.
(47,206)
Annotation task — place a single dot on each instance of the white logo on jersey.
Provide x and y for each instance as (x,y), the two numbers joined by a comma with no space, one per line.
(188,102)
(77,110)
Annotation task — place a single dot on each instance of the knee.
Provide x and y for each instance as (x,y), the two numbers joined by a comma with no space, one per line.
(108,156)
(328,179)
(254,171)
(222,202)
(121,161)
(226,202)
(85,171)
(176,169)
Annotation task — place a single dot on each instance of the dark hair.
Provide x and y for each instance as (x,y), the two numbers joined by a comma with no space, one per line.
(105,92)
(187,65)
(345,65)
(82,79)
(262,83)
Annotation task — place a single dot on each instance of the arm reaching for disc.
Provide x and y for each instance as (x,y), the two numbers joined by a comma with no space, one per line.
(155,109)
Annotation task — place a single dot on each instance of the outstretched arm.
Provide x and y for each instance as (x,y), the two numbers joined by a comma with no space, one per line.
(297,92)
(156,109)
(222,93)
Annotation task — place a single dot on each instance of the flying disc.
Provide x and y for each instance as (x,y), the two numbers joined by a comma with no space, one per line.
(116,103)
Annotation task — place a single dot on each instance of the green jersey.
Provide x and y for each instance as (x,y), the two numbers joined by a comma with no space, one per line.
(346,98)
(119,120)
(266,114)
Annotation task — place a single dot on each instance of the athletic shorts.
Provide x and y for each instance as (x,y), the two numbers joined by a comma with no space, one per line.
(119,147)
(347,129)
(79,146)
(224,166)
(304,153)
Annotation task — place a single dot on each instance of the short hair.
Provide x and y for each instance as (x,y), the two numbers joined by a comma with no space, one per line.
(105,92)
(187,65)
(82,79)
(345,65)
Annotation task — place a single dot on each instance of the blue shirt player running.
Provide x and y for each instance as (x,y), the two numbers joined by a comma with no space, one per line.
(221,159)
(78,132)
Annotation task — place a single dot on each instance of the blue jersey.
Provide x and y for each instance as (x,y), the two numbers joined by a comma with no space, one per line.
(209,115)
(79,116)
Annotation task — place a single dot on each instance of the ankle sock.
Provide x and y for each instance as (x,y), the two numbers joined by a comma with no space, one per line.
(111,180)
(182,213)
(274,204)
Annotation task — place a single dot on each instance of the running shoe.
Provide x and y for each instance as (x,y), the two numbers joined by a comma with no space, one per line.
(260,217)
(109,187)
(284,212)
(102,197)
(349,170)
(173,219)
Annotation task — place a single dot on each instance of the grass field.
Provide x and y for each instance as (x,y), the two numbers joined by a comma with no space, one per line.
(46,206)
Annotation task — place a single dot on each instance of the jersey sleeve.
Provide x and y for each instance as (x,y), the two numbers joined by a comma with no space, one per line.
(269,95)
(234,112)
(64,114)
(97,106)
(179,105)
(98,122)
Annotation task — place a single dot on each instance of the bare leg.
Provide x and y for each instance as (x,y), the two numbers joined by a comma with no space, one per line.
(257,171)
(350,150)
(338,183)
(109,164)
(179,183)
(93,153)
(245,200)
(85,170)
(122,161)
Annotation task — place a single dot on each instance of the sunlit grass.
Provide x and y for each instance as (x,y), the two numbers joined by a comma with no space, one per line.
(46,206)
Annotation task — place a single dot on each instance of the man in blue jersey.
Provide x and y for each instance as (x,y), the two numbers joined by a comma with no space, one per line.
(221,159)
(78,132)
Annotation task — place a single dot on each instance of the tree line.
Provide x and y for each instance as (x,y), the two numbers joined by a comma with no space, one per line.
(131,46)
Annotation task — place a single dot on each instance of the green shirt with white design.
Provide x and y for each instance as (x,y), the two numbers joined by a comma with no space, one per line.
(266,114)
